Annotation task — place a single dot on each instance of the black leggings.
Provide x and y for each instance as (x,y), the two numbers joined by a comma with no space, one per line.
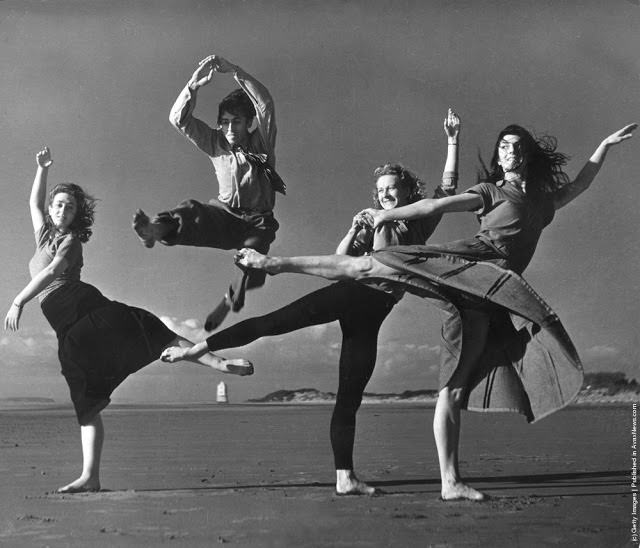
(360,311)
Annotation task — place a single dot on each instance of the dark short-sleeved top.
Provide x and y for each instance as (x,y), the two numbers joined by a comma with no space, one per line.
(48,246)
(511,222)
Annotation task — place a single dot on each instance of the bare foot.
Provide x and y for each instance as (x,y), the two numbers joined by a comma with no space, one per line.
(81,485)
(250,258)
(236,366)
(143,228)
(461,491)
(348,484)
(215,318)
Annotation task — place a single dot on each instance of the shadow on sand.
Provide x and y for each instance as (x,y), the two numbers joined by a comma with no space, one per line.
(569,484)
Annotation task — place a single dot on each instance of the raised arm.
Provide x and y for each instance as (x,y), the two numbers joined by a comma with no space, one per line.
(452,128)
(181,116)
(588,173)
(262,102)
(38,195)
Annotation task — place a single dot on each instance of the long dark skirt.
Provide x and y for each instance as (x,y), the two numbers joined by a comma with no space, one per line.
(100,343)
(529,364)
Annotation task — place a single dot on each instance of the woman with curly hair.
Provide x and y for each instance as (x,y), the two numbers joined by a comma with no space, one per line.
(503,347)
(100,342)
(360,308)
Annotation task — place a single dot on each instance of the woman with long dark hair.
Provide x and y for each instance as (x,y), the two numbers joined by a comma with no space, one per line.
(503,346)
(100,342)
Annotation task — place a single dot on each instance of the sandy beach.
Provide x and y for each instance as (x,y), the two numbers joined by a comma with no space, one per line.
(262,475)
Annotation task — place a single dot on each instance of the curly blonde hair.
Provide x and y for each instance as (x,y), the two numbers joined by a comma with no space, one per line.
(407,179)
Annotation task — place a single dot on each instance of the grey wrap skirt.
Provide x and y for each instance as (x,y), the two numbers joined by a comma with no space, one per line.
(529,364)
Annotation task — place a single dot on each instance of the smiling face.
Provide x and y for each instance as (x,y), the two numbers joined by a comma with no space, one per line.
(62,211)
(234,127)
(390,192)
(510,154)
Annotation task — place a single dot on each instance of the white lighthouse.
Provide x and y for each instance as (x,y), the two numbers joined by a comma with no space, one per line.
(221,394)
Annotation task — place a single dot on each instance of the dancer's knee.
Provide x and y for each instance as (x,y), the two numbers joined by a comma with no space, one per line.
(347,406)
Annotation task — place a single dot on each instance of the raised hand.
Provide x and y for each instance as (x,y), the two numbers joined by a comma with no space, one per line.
(452,125)
(222,65)
(203,74)
(621,135)
(43,158)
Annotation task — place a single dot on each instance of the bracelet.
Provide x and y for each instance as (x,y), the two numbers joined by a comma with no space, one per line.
(16,304)
(452,144)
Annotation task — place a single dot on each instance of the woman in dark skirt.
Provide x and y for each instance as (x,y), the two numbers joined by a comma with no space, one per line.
(503,346)
(100,342)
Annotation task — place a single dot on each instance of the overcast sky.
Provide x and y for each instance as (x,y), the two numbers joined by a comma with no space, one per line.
(356,84)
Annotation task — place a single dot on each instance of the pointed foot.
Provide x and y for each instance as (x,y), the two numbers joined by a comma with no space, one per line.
(250,258)
(218,315)
(237,366)
(142,227)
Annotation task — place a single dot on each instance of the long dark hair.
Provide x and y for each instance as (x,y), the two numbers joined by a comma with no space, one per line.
(543,168)
(85,210)
(408,180)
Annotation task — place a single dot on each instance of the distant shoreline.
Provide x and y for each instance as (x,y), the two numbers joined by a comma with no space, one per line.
(125,405)
(599,388)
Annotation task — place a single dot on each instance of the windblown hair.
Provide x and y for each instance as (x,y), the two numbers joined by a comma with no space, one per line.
(543,169)
(85,210)
(408,180)
(238,104)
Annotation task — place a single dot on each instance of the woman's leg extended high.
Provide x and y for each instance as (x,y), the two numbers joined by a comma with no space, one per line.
(446,420)
(322,306)
(360,327)
(331,267)
(233,366)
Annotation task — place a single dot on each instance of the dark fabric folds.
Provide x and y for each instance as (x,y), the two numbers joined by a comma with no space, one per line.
(100,343)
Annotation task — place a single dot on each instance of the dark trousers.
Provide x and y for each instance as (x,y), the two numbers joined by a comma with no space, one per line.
(219,226)
(360,311)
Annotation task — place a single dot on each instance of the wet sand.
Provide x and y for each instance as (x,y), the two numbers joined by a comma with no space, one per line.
(262,475)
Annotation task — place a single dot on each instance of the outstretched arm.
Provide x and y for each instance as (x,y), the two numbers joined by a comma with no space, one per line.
(38,195)
(424,208)
(588,173)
